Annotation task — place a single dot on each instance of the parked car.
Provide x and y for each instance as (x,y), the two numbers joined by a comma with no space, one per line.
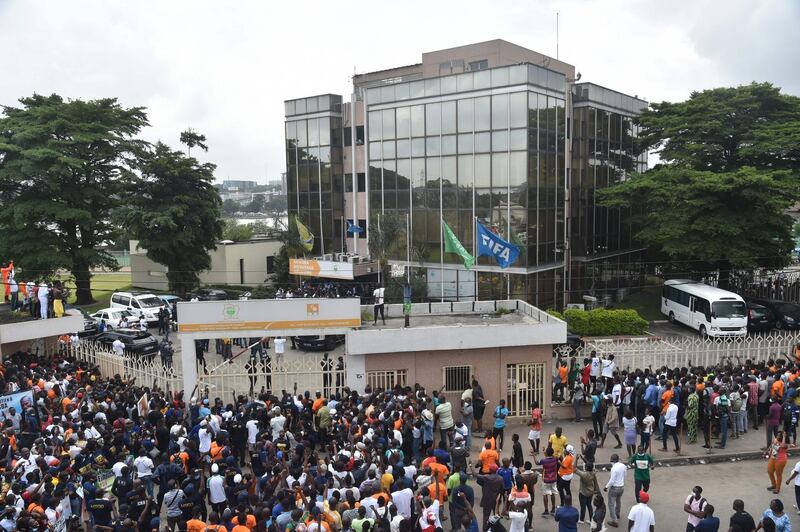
(208,294)
(785,315)
(572,347)
(319,343)
(112,317)
(136,342)
(142,304)
(89,323)
(759,317)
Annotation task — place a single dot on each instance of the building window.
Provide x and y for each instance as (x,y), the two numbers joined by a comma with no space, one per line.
(457,378)
(483,64)
(241,271)
(348,182)
(348,136)
(387,379)
(270,265)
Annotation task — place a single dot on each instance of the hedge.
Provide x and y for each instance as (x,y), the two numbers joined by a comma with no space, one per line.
(605,322)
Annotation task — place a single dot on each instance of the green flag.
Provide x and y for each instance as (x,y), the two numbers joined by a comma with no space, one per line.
(452,245)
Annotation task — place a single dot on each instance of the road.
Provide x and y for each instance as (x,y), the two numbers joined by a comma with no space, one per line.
(721,482)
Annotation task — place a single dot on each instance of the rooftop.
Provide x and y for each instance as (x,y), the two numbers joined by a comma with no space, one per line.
(456,325)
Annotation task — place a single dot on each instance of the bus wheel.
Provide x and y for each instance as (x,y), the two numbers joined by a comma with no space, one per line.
(671,317)
(703,332)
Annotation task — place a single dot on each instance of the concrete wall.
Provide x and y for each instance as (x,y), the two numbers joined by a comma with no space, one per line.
(489,367)
(224,265)
(16,336)
(497,52)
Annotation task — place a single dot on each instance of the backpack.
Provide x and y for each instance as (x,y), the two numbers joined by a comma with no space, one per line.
(737,403)
(787,413)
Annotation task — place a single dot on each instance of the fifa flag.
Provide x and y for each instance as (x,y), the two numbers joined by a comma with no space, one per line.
(305,235)
(491,245)
(452,245)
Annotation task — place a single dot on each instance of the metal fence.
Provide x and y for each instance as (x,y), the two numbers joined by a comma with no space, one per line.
(639,353)
(147,372)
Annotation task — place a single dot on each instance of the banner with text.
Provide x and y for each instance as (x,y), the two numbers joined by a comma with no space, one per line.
(270,315)
(21,401)
(325,269)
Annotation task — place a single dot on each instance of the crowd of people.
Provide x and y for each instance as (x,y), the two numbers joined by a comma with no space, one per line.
(100,452)
(41,299)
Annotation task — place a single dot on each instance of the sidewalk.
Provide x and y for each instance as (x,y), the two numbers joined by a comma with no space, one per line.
(746,447)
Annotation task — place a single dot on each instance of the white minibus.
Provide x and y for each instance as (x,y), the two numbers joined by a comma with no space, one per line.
(711,311)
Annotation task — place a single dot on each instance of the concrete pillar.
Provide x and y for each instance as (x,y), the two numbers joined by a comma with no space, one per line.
(189,364)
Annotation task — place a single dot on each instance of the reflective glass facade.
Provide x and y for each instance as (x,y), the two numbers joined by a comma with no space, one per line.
(457,148)
(314,174)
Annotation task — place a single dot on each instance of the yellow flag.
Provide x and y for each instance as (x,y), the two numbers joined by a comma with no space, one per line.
(305,235)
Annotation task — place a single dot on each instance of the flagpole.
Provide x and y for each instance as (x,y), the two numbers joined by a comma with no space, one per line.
(441,249)
(408,252)
(343,233)
(475,248)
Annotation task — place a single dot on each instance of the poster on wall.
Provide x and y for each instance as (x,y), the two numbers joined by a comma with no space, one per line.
(21,401)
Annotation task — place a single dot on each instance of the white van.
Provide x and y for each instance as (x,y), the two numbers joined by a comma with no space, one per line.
(711,311)
(140,304)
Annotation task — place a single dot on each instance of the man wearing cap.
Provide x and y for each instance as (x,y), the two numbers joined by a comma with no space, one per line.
(641,517)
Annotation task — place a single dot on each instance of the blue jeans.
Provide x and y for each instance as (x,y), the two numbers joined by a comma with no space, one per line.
(660,428)
(723,430)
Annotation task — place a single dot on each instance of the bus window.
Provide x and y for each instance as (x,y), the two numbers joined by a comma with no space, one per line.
(729,309)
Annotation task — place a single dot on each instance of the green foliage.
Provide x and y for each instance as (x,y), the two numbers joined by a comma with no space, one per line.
(732,163)
(394,290)
(555,314)
(230,207)
(62,169)
(387,238)
(191,138)
(262,291)
(236,232)
(604,322)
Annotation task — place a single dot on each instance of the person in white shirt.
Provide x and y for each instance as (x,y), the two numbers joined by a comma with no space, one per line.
(44,300)
(641,517)
(216,489)
(402,499)
(518,517)
(615,487)
(205,435)
(276,424)
(252,433)
(118,347)
(377,295)
(280,348)
(90,432)
(144,470)
(670,426)
(607,372)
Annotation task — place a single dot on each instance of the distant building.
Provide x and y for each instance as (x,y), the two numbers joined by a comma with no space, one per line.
(238,185)
(491,131)
(232,263)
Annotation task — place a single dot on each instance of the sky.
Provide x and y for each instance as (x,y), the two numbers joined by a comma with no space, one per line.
(225,68)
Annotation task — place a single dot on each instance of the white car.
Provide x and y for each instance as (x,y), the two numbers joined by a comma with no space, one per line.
(112,317)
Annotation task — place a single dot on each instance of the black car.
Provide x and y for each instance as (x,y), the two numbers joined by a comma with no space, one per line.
(208,294)
(318,343)
(136,342)
(571,348)
(785,315)
(89,325)
(759,317)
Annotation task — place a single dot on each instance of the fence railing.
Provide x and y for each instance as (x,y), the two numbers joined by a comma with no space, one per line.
(147,372)
(640,353)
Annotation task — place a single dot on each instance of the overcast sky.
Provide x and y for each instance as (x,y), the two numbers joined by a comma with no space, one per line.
(225,68)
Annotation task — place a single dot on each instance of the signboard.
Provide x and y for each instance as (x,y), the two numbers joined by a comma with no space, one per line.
(326,269)
(142,406)
(269,314)
(21,401)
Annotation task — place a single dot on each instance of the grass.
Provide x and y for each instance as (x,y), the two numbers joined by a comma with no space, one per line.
(646,302)
(103,285)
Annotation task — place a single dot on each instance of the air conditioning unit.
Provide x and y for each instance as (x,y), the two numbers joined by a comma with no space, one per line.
(328,256)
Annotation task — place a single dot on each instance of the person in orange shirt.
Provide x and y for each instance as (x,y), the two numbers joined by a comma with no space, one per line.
(439,470)
(666,397)
(491,441)
(438,490)
(488,456)
(213,523)
(566,470)
(195,524)
(317,404)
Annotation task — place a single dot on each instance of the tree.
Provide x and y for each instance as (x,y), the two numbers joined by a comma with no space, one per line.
(731,162)
(236,232)
(191,138)
(62,165)
(387,239)
(173,210)
(230,207)
(257,204)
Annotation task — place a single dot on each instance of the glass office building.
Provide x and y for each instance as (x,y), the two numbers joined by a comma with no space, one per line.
(484,140)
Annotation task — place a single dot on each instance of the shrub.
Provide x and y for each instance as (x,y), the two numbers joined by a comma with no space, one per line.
(605,322)
(555,314)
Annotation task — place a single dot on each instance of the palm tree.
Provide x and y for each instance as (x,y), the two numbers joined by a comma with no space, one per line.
(387,239)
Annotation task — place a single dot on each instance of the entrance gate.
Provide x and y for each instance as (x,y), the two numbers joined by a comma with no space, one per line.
(525,384)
